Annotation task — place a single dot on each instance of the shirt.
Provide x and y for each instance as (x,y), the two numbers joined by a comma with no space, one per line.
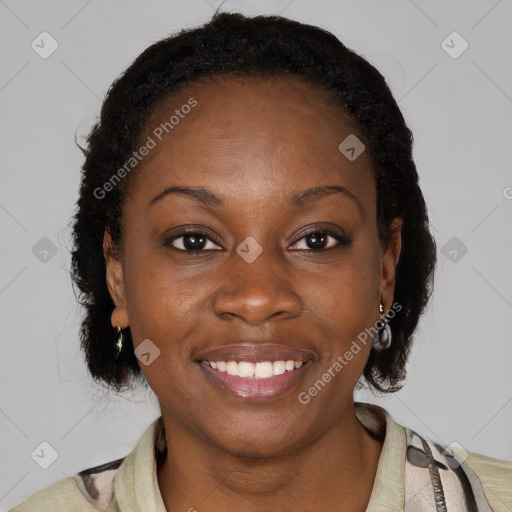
(413,474)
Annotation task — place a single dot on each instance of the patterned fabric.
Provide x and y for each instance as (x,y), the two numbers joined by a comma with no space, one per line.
(414,474)
(97,484)
(438,479)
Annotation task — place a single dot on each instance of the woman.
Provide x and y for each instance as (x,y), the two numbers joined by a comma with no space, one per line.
(251,240)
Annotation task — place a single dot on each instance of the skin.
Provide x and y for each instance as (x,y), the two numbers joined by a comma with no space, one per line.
(255,143)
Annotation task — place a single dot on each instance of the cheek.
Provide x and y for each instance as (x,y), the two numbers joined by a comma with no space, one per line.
(165,311)
(344,305)
(349,291)
(162,304)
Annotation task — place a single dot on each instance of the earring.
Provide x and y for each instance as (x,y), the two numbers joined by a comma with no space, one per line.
(382,337)
(118,343)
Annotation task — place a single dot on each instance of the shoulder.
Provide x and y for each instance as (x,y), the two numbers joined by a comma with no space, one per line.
(495,476)
(88,491)
(102,488)
(60,496)
(457,476)
(428,475)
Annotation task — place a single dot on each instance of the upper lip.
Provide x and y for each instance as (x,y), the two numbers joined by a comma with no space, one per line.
(256,352)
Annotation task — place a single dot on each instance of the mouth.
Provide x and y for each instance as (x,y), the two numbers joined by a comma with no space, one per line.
(255,370)
(256,373)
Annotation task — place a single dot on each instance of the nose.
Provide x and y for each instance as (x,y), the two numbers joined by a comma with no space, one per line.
(256,292)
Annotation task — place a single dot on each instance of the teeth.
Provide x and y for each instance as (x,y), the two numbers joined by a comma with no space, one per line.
(263,370)
(245,369)
(232,368)
(278,367)
(259,370)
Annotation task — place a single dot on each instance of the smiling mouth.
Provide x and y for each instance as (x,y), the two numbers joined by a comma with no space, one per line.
(255,370)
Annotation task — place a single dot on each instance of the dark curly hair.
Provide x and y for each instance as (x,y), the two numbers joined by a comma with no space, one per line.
(231,44)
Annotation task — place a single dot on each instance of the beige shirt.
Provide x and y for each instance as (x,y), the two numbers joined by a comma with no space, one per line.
(413,474)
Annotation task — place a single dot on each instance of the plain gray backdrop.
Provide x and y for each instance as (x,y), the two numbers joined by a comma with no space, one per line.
(456,100)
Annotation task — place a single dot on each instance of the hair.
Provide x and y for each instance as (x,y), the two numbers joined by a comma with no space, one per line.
(231,44)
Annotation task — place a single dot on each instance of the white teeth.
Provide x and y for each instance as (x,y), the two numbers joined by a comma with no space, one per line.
(259,370)
(245,369)
(263,370)
(232,368)
(278,367)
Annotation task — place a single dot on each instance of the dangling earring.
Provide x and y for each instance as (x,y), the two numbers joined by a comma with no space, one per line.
(118,341)
(382,338)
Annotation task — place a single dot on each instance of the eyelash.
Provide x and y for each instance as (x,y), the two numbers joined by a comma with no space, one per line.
(341,240)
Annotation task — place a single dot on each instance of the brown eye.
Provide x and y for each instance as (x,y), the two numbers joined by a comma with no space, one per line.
(319,240)
(189,241)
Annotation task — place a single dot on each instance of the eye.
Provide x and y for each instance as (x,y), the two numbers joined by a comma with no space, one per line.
(320,240)
(195,240)
(191,240)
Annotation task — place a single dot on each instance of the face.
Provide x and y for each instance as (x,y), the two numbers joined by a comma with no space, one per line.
(274,262)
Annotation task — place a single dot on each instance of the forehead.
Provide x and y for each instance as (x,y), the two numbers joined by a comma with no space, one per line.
(245,104)
(242,130)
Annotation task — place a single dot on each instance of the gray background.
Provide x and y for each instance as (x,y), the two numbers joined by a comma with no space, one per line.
(459,385)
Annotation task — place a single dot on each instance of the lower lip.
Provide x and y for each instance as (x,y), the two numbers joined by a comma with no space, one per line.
(255,390)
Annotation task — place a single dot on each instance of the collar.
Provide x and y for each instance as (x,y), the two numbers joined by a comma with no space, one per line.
(136,481)
(388,488)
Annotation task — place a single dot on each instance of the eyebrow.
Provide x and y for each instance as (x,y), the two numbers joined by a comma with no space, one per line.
(299,199)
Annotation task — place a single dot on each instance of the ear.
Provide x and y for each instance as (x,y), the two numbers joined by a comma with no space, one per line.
(389,261)
(115,281)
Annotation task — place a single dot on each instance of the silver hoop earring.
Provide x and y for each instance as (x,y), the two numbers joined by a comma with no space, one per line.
(382,337)
(118,343)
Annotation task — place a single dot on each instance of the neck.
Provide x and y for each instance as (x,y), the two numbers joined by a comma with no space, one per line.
(336,470)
